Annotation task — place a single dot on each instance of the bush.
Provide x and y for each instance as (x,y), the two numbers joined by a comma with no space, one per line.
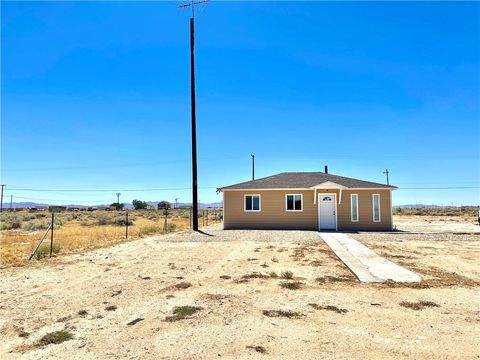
(11,222)
(35,225)
(121,221)
(149,230)
(44,251)
(56,337)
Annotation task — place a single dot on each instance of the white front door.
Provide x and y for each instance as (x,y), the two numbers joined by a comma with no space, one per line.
(327,217)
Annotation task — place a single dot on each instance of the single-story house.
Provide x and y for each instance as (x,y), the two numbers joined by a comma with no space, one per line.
(308,201)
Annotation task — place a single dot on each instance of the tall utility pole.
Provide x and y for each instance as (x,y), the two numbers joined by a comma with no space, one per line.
(253,166)
(11,201)
(118,198)
(386,173)
(1,198)
(176,203)
(194,120)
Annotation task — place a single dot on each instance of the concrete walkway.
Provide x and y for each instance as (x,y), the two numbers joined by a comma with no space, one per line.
(364,263)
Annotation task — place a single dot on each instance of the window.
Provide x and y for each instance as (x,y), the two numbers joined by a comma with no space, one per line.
(376,207)
(252,203)
(294,202)
(354,207)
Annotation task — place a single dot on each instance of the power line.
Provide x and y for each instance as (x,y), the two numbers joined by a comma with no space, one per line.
(440,188)
(43,199)
(107,190)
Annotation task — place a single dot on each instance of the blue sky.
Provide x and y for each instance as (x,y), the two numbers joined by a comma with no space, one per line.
(96,95)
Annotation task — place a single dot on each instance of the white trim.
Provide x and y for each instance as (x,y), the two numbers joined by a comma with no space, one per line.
(336,212)
(373,208)
(223,211)
(245,202)
(286,203)
(351,208)
(328,185)
(306,189)
(391,211)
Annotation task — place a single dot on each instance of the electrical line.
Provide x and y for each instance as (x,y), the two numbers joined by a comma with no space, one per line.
(11,188)
(68,200)
(106,190)
(440,188)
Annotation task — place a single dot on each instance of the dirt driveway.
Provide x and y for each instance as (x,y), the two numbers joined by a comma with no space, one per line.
(257,294)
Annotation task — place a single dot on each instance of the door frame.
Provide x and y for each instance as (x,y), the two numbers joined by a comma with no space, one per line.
(319,212)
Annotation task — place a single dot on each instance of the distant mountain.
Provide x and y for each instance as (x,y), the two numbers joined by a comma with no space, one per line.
(30,205)
(181,204)
(418,206)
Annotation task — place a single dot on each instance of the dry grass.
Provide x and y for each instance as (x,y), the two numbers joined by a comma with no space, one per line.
(80,231)
(434,277)
(419,305)
(283,313)
(329,308)
(295,285)
(258,348)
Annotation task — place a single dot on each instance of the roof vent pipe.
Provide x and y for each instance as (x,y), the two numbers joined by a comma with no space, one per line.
(326,169)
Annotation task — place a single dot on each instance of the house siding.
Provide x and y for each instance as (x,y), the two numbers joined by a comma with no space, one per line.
(273,214)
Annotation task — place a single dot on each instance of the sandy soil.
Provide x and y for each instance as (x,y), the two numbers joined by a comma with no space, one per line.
(450,224)
(139,278)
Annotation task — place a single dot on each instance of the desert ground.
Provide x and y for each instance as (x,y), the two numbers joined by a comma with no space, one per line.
(248,294)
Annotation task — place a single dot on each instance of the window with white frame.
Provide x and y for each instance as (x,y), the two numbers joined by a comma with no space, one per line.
(294,202)
(354,207)
(376,207)
(252,203)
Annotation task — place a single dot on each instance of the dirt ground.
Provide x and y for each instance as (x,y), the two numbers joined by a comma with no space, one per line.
(233,285)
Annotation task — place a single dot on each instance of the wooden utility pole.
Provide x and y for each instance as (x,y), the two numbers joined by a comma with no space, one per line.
(193,110)
(253,166)
(1,198)
(386,173)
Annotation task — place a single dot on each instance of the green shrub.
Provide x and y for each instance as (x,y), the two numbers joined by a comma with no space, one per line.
(56,337)
(149,230)
(44,251)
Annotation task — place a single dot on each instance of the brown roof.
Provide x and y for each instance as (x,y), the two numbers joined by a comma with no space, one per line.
(303,180)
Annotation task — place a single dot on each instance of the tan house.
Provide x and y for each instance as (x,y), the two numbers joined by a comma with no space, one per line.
(308,201)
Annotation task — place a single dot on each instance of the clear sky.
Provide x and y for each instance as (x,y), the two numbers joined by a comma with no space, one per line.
(96,95)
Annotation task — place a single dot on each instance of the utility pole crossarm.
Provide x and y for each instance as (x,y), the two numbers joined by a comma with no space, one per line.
(192,5)
(386,172)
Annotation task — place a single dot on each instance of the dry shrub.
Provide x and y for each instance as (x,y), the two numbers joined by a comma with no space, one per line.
(295,285)
(332,279)
(419,305)
(434,277)
(329,308)
(283,313)
(287,275)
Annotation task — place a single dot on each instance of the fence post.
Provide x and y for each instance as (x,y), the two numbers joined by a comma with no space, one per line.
(190,217)
(51,235)
(126,227)
(165,225)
